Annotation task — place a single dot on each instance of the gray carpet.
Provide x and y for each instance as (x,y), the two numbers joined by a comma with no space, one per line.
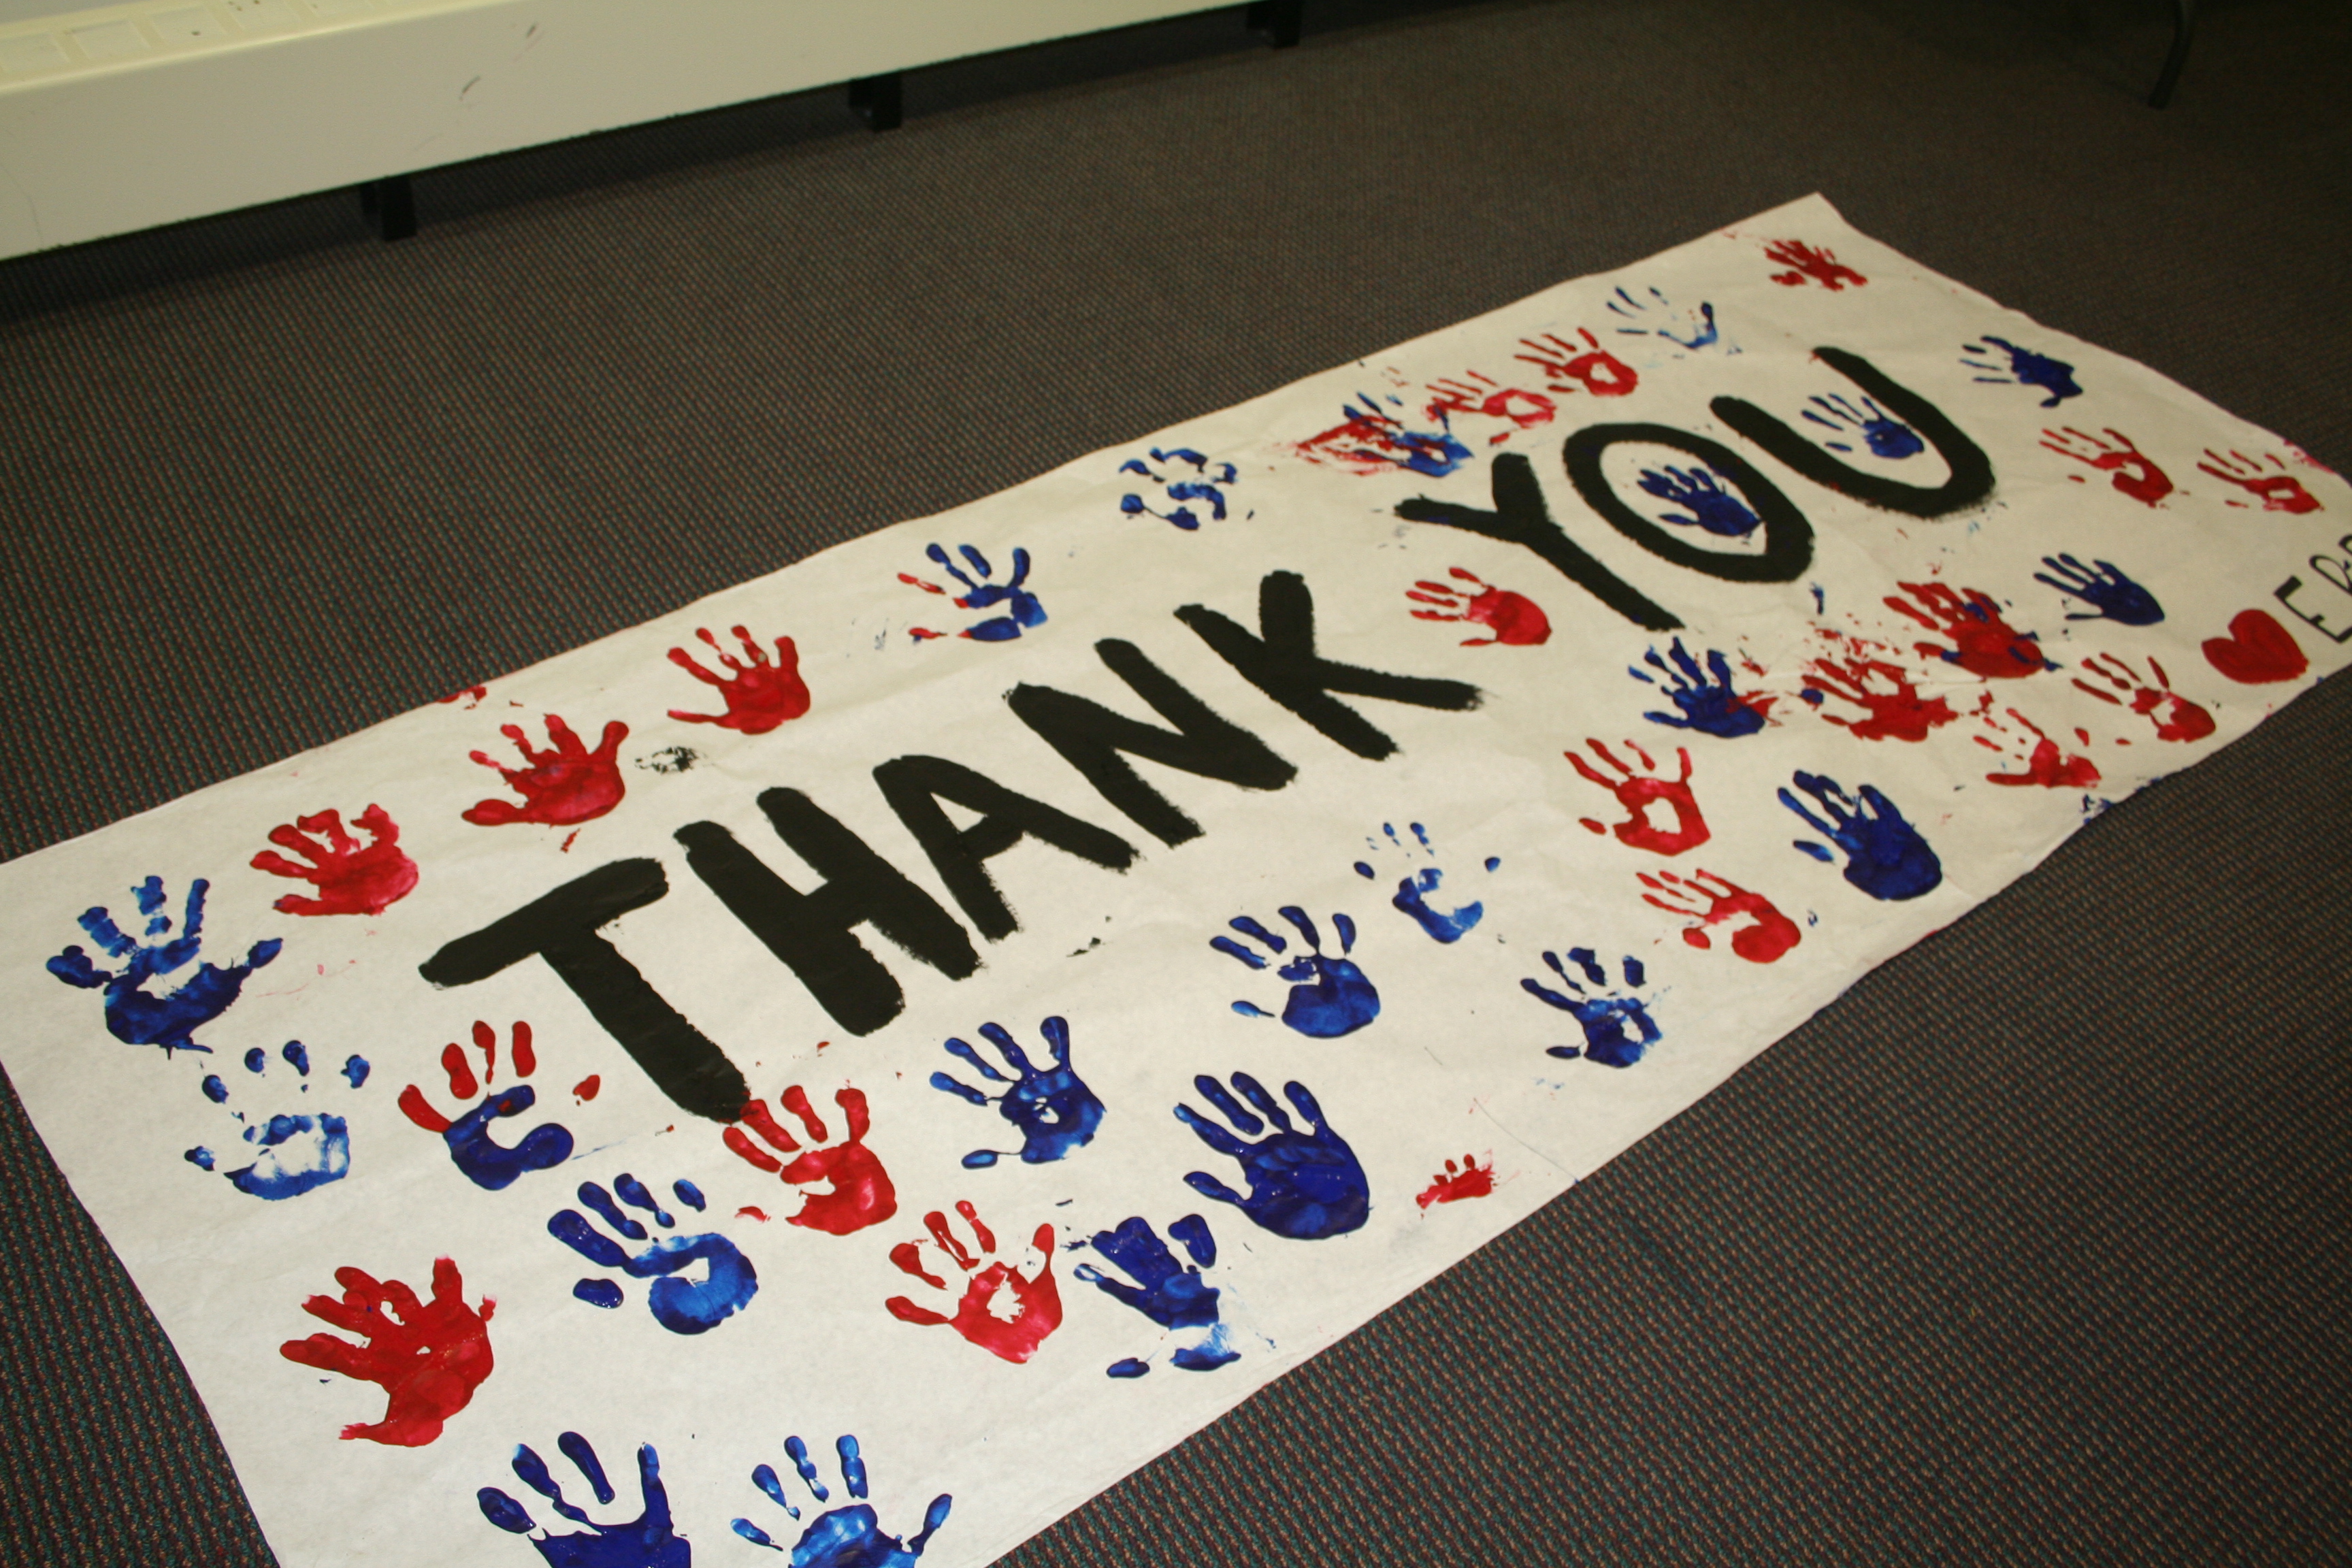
(2031,1249)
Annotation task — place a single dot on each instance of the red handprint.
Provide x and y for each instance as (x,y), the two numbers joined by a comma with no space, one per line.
(1033,1307)
(2132,472)
(2180,720)
(1490,399)
(1591,368)
(1470,1180)
(2048,766)
(352,879)
(1517,621)
(1894,708)
(570,784)
(2257,652)
(1637,792)
(427,1356)
(1821,266)
(857,1189)
(758,695)
(1984,644)
(1710,900)
(2279,492)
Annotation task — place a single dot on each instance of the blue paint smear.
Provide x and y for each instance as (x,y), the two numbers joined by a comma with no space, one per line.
(135,1017)
(1130,1367)
(491,1166)
(255,1059)
(599,1293)
(1051,1106)
(1704,699)
(299,1154)
(1714,508)
(681,1306)
(1616,1023)
(355,1069)
(1303,1186)
(214,1090)
(1023,609)
(297,1056)
(648,1540)
(1328,996)
(202,1159)
(2025,368)
(689,1194)
(848,1536)
(1415,890)
(1434,453)
(2102,585)
(1885,855)
(1885,436)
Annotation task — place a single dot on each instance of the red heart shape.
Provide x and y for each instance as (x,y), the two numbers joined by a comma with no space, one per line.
(2257,651)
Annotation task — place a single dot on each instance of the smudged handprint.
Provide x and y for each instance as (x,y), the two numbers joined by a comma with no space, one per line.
(1764,934)
(136,1016)
(1457,1183)
(1515,620)
(2132,472)
(1418,887)
(681,1306)
(1704,699)
(485,1162)
(1580,367)
(2023,367)
(1893,709)
(1328,996)
(1616,1023)
(428,1357)
(2102,585)
(1208,484)
(1368,440)
(565,784)
(2176,718)
(1810,264)
(1711,507)
(1983,642)
(1885,855)
(850,1536)
(1306,1186)
(2047,766)
(1171,1294)
(1473,395)
(2264,478)
(293,1154)
(1655,316)
(844,1185)
(1003,1311)
(1021,609)
(759,696)
(351,878)
(1638,792)
(648,1540)
(1885,436)
(1052,1107)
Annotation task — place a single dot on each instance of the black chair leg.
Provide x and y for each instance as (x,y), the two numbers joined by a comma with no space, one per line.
(390,202)
(1280,20)
(879,101)
(2184,23)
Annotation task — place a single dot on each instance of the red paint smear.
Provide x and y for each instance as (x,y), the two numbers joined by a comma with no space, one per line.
(1712,899)
(427,1356)
(1516,621)
(2257,651)
(2048,767)
(525,1059)
(1471,1180)
(585,1089)
(1592,368)
(2131,471)
(1898,714)
(566,784)
(1491,400)
(351,879)
(2277,491)
(418,1108)
(1032,1311)
(1984,644)
(759,1214)
(1819,266)
(1638,792)
(475,692)
(758,695)
(460,1071)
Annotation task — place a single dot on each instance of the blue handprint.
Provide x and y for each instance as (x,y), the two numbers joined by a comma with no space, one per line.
(1704,699)
(681,1306)
(2111,596)
(1618,1028)
(2025,368)
(848,1537)
(1165,1291)
(1021,609)
(1204,488)
(1328,996)
(1053,1108)
(485,1162)
(294,1154)
(1701,328)
(1717,510)
(1303,1186)
(647,1541)
(1414,890)
(134,1015)
(1885,436)
(1885,857)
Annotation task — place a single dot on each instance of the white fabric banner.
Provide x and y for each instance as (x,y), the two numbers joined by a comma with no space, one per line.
(858,1064)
